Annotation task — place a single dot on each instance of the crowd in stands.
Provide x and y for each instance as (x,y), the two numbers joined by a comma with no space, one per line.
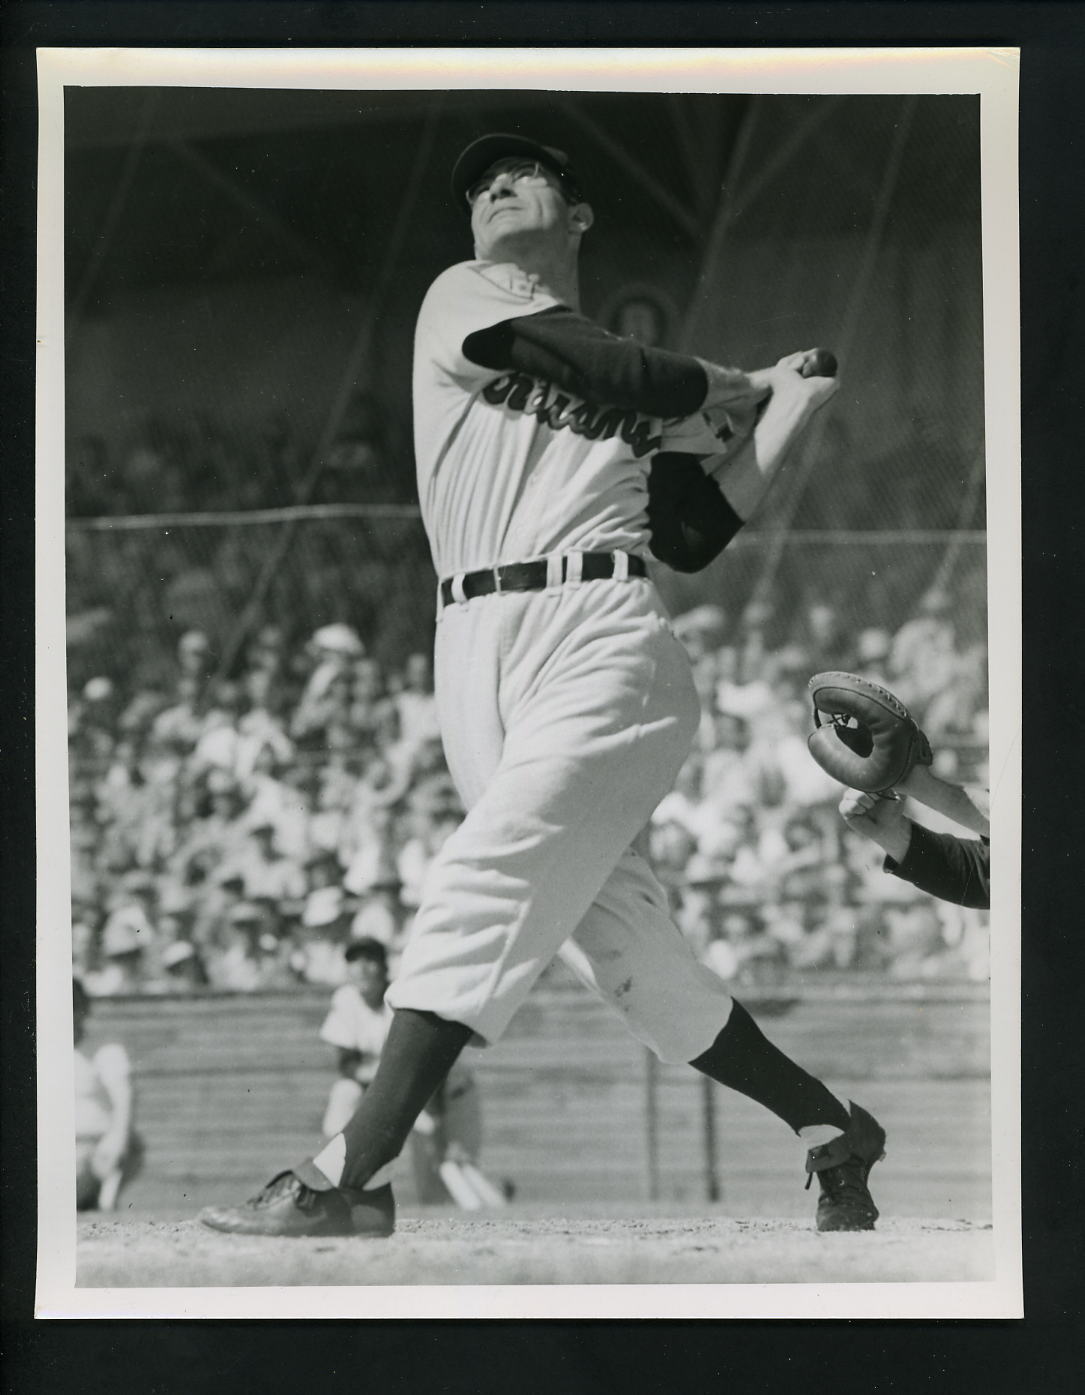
(204,463)
(239,834)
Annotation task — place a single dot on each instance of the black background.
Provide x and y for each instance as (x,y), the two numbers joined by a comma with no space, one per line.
(1045,1352)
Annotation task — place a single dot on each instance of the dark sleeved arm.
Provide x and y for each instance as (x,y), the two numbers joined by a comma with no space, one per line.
(581,356)
(690,520)
(953,869)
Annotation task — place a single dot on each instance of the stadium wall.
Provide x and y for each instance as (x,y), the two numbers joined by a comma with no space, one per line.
(231,1088)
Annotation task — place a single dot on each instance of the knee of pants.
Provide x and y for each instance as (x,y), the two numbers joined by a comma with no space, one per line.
(632,955)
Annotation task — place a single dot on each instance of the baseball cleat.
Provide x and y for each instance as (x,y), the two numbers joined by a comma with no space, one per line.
(842,1167)
(286,1206)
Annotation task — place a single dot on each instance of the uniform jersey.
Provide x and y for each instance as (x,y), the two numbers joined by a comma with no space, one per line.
(515,464)
(95,1076)
(352,1025)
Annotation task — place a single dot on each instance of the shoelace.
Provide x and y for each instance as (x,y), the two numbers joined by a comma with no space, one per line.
(284,1182)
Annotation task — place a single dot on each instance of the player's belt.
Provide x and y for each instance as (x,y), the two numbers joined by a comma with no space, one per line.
(538,575)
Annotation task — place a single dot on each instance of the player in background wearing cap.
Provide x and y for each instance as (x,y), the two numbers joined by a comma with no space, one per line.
(449,1128)
(356,1025)
(566,702)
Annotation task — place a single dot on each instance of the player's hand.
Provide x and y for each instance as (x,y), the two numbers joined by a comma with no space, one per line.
(880,818)
(817,389)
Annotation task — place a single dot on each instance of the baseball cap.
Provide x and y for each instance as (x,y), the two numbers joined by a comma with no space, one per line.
(123,934)
(338,638)
(179,952)
(477,158)
(366,947)
(245,913)
(98,690)
(322,907)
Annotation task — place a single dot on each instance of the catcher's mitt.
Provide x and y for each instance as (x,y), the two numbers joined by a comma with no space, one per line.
(870,742)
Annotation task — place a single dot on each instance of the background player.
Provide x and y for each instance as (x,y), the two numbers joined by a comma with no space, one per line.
(566,702)
(356,1026)
(108,1150)
(447,1136)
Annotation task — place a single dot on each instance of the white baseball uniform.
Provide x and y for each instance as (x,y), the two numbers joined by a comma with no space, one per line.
(566,712)
(352,1025)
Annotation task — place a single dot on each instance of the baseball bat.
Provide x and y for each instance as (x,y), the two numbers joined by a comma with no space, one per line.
(952,800)
(484,1188)
(459,1186)
(819,363)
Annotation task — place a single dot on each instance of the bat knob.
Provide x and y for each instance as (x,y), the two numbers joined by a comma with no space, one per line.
(819,363)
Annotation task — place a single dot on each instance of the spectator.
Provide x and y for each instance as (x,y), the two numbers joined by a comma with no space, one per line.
(184,967)
(97,717)
(181,725)
(324,935)
(733,774)
(219,835)
(194,657)
(333,650)
(923,653)
(825,634)
(367,697)
(220,746)
(153,791)
(261,729)
(374,861)
(85,922)
(128,939)
(416,704)
(379,914)
(267,654)
(266,872)
(254,956)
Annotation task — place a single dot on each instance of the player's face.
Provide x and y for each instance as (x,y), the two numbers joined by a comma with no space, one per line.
(514,202)
(371,978)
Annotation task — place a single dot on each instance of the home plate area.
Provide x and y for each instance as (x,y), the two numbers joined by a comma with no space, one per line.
(525,1249)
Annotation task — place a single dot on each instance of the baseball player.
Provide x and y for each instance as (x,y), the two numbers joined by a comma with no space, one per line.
(941,864)
(108,1149)
(566,702)
(448,1130)
(356,1026)
(872,743)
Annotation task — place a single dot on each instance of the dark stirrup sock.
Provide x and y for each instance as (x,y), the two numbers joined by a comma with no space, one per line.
(743,1059)
(420,1050)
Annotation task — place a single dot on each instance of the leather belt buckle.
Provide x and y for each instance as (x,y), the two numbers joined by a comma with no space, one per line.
(498,588)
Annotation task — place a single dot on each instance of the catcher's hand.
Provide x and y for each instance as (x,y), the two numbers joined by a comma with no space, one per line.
(870,741)
(879,817)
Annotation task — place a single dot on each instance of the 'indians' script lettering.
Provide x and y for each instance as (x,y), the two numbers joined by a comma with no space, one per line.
(559,411)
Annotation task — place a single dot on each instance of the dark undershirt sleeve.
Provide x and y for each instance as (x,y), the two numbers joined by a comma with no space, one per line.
(690,520)
(953,869)
(577,354)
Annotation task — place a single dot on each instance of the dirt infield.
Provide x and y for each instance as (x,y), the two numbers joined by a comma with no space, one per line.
(523,1249)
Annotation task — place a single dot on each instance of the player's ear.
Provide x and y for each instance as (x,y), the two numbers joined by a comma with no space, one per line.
(581,217)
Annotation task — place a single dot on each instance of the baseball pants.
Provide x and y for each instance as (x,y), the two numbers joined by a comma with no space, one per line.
(566,715)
